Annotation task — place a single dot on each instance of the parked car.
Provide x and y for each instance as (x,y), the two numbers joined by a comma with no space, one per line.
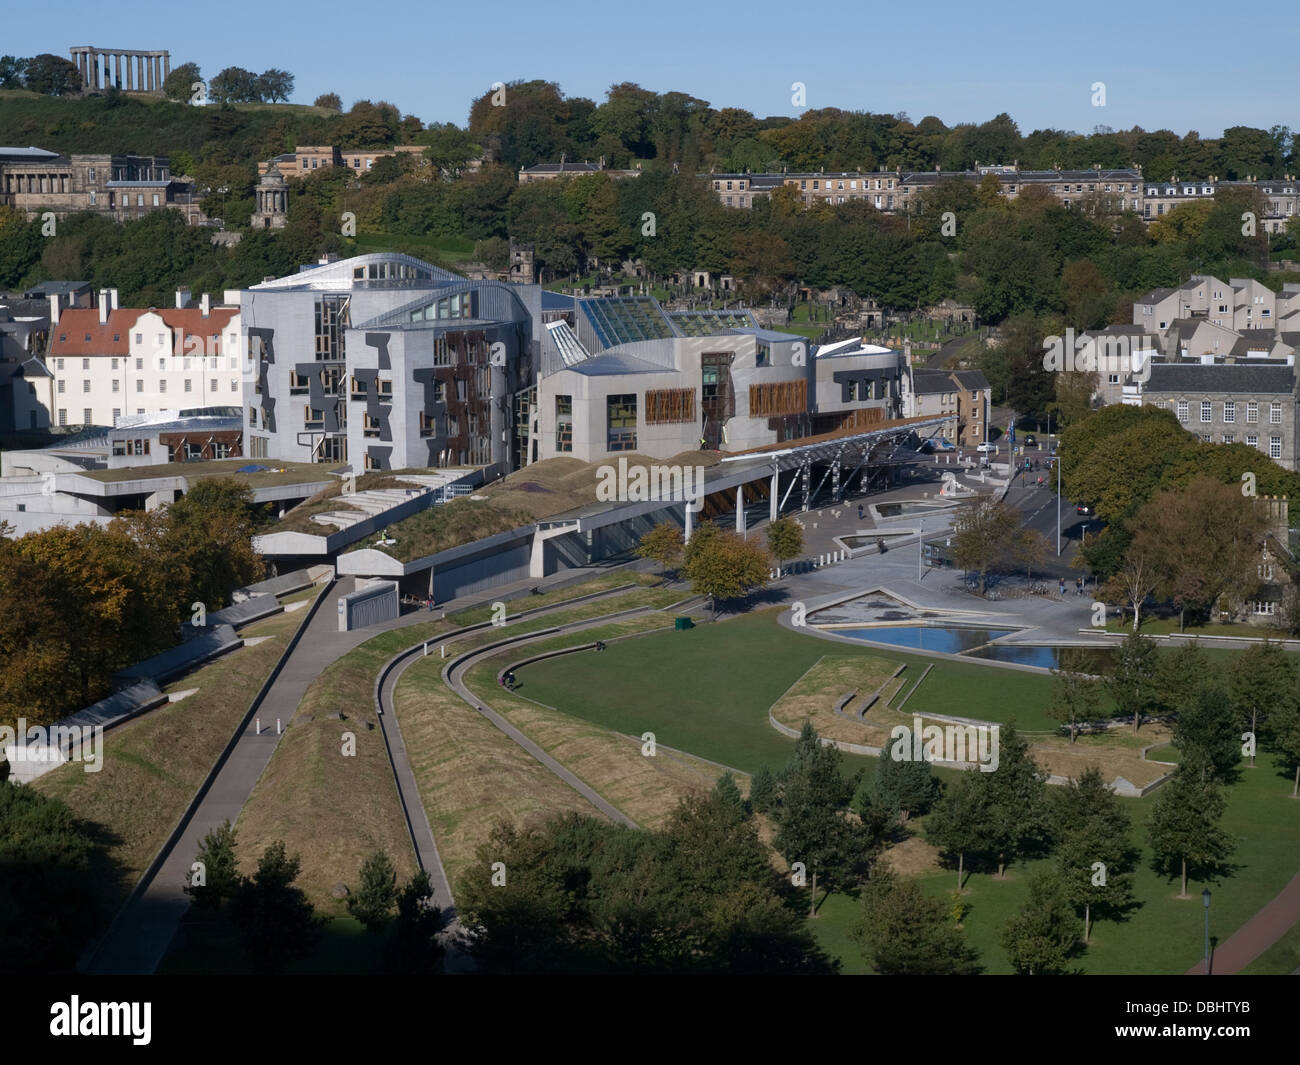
(987,449)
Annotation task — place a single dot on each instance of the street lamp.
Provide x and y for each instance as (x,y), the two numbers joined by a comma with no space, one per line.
(1205,898)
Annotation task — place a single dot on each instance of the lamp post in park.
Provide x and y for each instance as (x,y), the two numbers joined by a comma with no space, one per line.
(1205,898)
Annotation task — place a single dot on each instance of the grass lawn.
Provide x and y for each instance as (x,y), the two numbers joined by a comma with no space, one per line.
(153,765)
(1163,934)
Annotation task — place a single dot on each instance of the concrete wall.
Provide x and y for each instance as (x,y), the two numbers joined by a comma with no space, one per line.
(368,606)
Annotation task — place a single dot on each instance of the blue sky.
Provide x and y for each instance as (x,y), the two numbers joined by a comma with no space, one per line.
(1190,65)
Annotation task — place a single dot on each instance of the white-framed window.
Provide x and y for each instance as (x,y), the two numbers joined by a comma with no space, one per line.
(85,363)
(61,384)
(234,386)
(1182,410)
(85,386)
(162,386)
(139,384)
(1228,438)
(212,385)
(139,364)
(1252,441)
(114,365)
(188,386)
(1252,412)
(1275,413)
(1229,411)
(63,416)
(87,416)
(1266,570)
(117,385)
(1275,447)
(1207,411)
(1262,609)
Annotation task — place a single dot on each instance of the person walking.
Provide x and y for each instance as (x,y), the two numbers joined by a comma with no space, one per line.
(1062,586)
(859,512)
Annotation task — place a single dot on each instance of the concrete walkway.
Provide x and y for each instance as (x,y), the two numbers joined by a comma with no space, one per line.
(1254,937)
(142,931)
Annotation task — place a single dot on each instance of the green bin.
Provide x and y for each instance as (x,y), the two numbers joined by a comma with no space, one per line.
(684,623)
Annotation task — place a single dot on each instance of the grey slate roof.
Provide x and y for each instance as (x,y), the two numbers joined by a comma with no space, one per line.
(1221,377)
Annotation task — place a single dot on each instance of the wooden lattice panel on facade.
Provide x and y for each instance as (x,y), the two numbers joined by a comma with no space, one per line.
(781,397)
(666,405)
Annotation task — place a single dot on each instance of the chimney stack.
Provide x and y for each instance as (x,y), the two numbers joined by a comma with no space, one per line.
(56,306)
(205,303)
(103,306)
(182,298)
(112,293)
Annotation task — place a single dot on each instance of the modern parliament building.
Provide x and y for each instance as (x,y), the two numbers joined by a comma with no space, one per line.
(386,362)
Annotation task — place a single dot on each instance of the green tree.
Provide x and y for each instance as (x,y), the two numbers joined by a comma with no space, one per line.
(1043,933)
(904,932)
(1093,853)
(725,566)
(662,544)
(49,904)
(52,75)
(1207,735)
(763,791)
(982,531)
(1132,680)
(179,85)
(220,869)
(905,786)
(372,902)
(1261,680)
(728,790)
(1286,738)
(784,539)
(328,100)
(274,85)
(813,826)
(275,920)
(415,949)
(1181,675)
(234,85)
(12,70)
(957,823)
(1076,699)
(1015,801)
(1184,830)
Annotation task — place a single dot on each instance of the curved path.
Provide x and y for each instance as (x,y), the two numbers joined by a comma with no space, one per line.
(140,933)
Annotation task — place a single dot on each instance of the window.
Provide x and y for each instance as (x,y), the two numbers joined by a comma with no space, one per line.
(139,364)
(1207,412)
(1229,411)
(234,386)
(1262,608)
(1182,410)
(117,413)
(1228,438)
(63,416)
(61,384)
(85,386)
(212,385)
(61,361)
(1266,569)
(428,424)
(139,384)
(385,388)
(1252,412)
(85,363)
(162,386)
(87,416)
(1252,441)
(370,426)
(1275,413)
(187,385)
(1275,447)
(114,366)
(620,418)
